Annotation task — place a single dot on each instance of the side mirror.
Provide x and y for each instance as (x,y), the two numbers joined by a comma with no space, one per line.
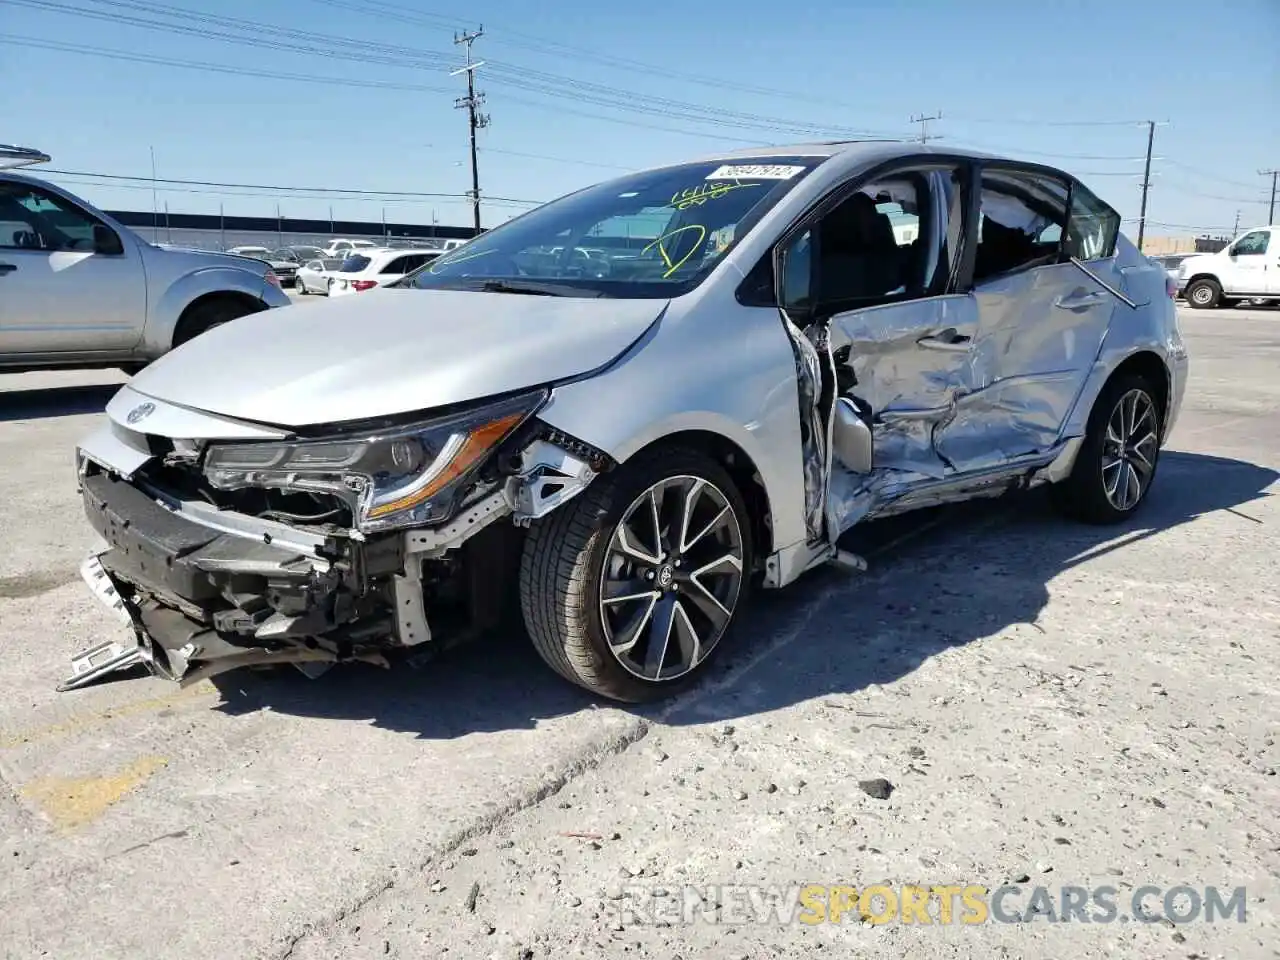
(105,241)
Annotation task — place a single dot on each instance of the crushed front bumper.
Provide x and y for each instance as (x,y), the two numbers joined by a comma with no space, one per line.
(202,596)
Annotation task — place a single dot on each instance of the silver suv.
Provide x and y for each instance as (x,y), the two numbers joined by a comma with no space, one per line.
(626,409)
(79,289)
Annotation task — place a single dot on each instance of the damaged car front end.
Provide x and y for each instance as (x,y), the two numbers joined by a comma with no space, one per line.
(322,547)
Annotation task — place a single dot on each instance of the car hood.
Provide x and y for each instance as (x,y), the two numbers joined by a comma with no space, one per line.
(391,351)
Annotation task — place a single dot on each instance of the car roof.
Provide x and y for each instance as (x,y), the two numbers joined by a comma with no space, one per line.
(852,150)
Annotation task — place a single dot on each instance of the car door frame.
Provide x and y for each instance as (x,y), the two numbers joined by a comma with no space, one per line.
(1022,394)
(954,308)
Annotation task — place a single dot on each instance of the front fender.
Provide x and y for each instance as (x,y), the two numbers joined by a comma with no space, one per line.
(712,366)
(178,294)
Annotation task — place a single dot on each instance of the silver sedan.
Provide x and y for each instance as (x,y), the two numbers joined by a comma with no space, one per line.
(615,415)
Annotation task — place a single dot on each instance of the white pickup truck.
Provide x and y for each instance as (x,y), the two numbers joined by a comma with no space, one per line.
(78,289)
(1248,268)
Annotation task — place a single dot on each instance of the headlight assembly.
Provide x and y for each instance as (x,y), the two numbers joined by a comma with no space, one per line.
(401,476)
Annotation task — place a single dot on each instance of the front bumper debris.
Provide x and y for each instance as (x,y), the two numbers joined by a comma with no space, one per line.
(205,588)
(201,598)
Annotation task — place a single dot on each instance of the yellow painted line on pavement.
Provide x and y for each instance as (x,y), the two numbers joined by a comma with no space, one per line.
(71,802)
(90,721)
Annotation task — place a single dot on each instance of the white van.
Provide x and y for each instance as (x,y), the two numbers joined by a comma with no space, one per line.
(1246,268)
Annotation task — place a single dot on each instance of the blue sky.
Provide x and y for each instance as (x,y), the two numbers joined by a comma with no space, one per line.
(646,83)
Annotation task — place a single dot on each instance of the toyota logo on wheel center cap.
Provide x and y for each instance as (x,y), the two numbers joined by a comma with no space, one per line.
(665,575)
(141,411)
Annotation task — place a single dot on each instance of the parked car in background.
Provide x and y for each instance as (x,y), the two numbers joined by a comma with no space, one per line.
(627,453)
(78,289)
(285,269)
(314,276)
(340,247)
(1172,263)
(374,268)
(297,254)
(1248,268)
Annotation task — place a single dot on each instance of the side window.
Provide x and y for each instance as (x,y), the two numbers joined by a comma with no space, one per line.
(1022,219)
(879,244)
(1252,244)
(31,219)
(1093,228)
(396,267)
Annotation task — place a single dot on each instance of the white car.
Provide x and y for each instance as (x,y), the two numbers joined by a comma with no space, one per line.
(374,268)
(340,247)
(1248,268)
(314,276)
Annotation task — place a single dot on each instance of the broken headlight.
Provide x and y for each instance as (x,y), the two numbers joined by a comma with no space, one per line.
(397,477)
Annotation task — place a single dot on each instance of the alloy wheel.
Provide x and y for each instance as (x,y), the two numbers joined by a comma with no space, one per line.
(1129,450)
(1202,295)
(672,578)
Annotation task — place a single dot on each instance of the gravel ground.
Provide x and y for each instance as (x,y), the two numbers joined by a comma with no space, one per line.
(1005,698)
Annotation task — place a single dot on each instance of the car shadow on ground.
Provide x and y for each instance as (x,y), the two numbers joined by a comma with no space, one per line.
(55,401)
(831,632)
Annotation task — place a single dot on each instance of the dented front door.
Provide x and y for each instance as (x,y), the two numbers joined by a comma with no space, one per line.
(912,363)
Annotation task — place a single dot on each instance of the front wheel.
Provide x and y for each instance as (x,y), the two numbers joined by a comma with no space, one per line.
(1204,294)
(630,589)
(1116,464)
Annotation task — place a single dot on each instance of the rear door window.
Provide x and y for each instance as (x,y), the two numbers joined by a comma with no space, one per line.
(1093,226)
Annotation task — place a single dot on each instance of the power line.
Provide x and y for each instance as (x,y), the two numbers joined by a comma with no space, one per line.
(112,54)
(287,39)
(281,189)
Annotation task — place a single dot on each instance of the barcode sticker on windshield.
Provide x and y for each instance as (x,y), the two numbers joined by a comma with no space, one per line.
(754,171)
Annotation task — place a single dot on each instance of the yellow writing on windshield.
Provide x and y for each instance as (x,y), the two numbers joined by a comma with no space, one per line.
(661,244)
(697,196)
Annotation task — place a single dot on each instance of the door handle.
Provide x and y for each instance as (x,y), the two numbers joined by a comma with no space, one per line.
(7,268)
(1079,301)
(948,339)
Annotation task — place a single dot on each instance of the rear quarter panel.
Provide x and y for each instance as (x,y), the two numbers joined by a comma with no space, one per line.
(1151,327)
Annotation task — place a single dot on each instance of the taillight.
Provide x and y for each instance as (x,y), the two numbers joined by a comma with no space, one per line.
(1171,287)
(273,279)
(364,284)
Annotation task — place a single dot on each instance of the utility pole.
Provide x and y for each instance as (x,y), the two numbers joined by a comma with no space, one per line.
(475,120)
(155,203)
(1235,231)
(924,124)
(1146,183)
(1271,213)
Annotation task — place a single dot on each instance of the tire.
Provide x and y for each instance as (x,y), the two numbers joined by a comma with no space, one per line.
(208,314)
(1086,494)
(302,287)
(1204,294)
(576,553)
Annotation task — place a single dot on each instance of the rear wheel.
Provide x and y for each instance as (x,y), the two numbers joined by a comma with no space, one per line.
(204,316)
(1204,294)
(1116,464)
(630,589)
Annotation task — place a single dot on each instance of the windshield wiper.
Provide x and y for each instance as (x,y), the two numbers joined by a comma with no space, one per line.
(536,289)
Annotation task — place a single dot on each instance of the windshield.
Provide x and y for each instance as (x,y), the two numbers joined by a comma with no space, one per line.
(655,234)
(354,264)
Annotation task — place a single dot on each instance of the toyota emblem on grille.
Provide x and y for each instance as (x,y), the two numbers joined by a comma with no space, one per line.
(140,411)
